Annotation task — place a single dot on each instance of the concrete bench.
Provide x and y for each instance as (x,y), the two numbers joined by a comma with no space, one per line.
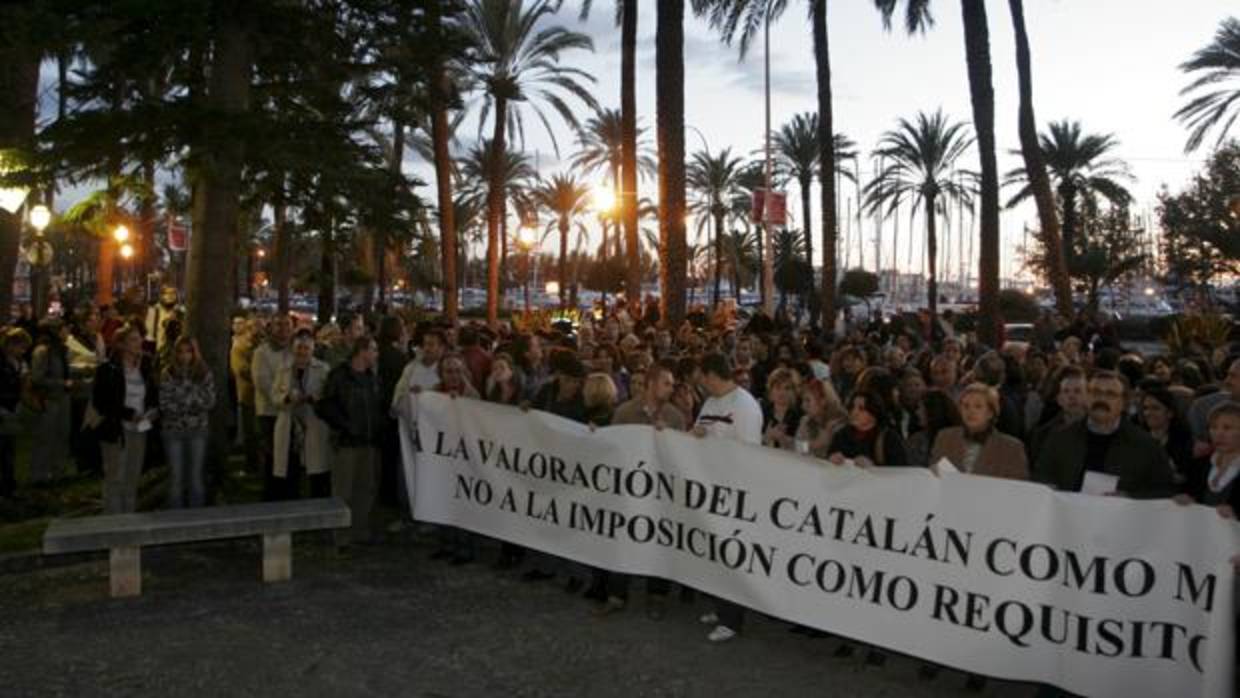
(125,534)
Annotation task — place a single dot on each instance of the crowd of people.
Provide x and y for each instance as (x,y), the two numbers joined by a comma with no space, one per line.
(312,407)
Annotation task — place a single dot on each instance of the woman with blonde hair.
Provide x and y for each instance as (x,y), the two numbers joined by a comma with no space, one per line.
(186,396)
(824,413)
(781,415)
(127,399)
(976,446)
(599,394)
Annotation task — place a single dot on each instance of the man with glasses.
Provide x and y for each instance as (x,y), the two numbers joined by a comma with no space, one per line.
(1105,453)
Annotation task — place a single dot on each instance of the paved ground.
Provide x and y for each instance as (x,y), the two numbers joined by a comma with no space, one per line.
(389,622)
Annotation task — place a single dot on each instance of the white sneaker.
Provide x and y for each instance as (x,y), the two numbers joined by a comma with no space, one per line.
(721,633)
(709,619)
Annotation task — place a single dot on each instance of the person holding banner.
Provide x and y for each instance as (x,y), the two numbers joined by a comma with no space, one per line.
(651,406)
(867,439)
(975,446)
(729,412)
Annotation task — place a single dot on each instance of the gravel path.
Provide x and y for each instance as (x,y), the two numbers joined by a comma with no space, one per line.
(389,622)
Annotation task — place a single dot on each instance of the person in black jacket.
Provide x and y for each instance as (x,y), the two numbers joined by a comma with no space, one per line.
(868,439)
(126,398)
(354,409)
(13,345)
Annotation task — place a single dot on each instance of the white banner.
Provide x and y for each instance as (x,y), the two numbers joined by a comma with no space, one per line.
(1101,596)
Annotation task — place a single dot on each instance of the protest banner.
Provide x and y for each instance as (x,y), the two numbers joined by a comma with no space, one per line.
(1102,596)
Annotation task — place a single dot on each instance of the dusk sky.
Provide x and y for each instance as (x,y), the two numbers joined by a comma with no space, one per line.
(1112,64)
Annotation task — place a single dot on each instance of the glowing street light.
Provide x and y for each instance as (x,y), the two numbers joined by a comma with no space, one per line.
(262,253)
(121,235)
(553,288)
(40,217)
(126,250)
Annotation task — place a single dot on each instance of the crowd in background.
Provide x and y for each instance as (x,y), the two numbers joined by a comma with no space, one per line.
(312,407)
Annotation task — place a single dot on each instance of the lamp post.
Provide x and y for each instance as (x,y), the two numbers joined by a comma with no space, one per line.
(768,254)
(39,255)
(121,235)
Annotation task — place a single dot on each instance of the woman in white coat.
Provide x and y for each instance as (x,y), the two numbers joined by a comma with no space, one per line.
(301,438)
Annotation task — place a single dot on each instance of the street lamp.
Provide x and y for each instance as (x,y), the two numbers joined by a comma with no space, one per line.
(126,251)
(121,235)
(40,217)
(39,255)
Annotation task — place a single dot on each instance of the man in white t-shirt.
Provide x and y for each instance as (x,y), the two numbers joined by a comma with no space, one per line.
(422,371)
(729,412)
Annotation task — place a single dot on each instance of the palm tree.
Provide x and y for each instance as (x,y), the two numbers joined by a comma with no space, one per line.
(520,66)
(479,174)
(742,252)
(626,19)
(748,17)
(567,199)
(1216,64)
(670,141)
(1035,167)
(601,143)
(917,18)
(796,149)
(1082,169)
(441,98)
(918,159)
(714,182)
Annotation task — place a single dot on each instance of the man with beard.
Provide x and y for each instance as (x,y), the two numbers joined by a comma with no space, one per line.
(1105,447)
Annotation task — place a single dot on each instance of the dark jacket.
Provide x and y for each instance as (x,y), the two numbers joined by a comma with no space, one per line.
(391,364)
(548,400)
(1197,487)
(10,385)
(884,446)
(352,406)
(108,396)
(1141,464)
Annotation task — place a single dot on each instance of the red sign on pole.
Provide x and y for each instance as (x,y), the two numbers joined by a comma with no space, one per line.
(178,235)
(775,208)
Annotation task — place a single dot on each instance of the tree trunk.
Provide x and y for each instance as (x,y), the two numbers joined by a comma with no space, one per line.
(932,250)
(1067,195)
(381,234)
(826,159)
(144,246)
(19,83)
(807,213)
(981,91)
(563,267)
(670,107)
(327,272)
(443,183)
(282,242)
(219,161)
(1035,169)
(495,210)
(718,256)
(628,148)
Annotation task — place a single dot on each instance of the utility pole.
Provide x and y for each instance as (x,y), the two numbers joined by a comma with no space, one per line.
(768,253)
